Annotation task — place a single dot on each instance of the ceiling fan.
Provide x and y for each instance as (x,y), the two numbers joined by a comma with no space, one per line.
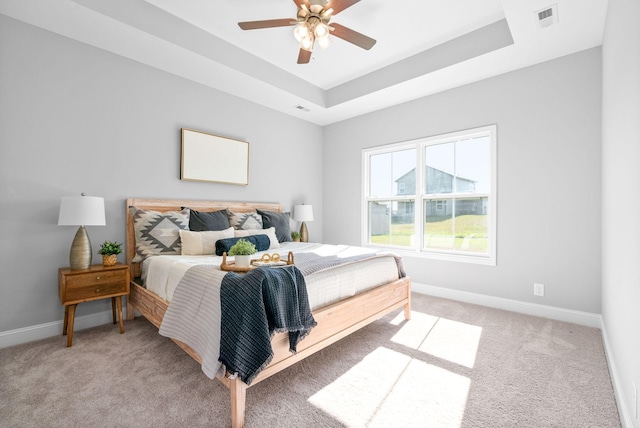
(312,24)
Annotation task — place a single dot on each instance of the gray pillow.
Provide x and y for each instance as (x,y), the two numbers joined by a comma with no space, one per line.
(203,221)
(278,220)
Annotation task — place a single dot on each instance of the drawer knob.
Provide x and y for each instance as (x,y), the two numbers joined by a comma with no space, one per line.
(97,278)
(97,290)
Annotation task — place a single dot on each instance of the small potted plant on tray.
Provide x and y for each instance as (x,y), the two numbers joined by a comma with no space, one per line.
(295,236)
(109,251)
(242,250)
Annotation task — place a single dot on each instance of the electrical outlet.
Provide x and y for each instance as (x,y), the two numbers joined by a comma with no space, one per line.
(538,289)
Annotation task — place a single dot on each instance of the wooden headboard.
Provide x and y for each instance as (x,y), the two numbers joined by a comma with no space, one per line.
(176,205)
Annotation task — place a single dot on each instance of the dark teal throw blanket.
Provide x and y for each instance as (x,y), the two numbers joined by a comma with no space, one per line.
(256,305)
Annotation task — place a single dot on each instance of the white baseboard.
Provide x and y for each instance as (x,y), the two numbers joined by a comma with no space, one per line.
(621,400)
(568,315)
(43,331)
(50,329)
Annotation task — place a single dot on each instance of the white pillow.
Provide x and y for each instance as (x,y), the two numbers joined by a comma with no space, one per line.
(202,243)
(270,232)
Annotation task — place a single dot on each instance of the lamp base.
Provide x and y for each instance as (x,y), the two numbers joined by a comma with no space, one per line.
(80,255)
(304,233)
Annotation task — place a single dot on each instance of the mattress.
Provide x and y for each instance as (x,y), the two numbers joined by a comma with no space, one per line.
(161,274)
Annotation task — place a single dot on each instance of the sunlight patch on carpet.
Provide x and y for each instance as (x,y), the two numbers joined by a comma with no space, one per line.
(450,340)
(388,388)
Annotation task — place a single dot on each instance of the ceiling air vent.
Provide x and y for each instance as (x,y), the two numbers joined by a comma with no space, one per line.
(547,16)
(303,108)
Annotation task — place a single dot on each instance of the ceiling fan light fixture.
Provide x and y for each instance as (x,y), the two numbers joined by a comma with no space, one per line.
(307,42)
(313,23)
(301,31)
(321,31)
(324,42)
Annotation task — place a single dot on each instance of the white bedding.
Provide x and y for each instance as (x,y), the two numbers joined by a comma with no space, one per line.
(161,274)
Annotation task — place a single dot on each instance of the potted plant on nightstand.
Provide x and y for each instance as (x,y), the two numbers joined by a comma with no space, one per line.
(242,250)
(295,236)
(109,251)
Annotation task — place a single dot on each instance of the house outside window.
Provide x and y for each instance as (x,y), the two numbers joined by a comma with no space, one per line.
(434,197)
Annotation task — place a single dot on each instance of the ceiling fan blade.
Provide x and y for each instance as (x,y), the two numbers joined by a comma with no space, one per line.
(299,3)
(304,56)
(269,23)
(339,5)
(352,36)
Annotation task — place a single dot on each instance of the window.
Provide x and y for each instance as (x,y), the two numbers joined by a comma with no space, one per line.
(434,197)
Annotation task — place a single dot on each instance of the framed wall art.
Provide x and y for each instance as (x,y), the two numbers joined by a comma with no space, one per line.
(207,157)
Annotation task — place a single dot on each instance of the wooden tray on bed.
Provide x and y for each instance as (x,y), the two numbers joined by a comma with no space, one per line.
(255,263)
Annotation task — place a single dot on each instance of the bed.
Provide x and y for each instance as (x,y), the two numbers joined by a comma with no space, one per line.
(335,320)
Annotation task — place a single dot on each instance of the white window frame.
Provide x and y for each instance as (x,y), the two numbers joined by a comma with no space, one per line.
(490,258)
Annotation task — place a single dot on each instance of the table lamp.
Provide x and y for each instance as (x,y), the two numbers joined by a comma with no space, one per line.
(303,213)
(81,211)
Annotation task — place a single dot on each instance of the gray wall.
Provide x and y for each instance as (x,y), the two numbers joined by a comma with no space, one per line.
(77,119)
(548,119)
(621,199)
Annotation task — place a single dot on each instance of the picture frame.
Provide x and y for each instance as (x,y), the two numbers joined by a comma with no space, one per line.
(212,158)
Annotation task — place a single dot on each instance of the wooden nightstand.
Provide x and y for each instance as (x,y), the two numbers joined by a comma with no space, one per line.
(83,285)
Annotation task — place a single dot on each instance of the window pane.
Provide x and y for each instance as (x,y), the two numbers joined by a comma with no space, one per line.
(392,223)
(472,162)
(459,224)
(380,175)
(379,222)
(438,226)
(471,230)
(392,174)
(439,159)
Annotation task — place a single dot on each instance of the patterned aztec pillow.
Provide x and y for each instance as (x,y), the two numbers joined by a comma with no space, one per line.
(157,232)
(245,221)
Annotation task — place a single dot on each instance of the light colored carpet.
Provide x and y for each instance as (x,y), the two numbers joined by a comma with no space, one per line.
(453,365)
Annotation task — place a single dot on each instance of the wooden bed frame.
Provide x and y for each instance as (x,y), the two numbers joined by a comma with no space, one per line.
(335,321)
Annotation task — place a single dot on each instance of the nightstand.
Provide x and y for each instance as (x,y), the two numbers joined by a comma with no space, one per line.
(83,285)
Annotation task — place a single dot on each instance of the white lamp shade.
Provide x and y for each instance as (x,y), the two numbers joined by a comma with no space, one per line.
(303,213)
(81,211)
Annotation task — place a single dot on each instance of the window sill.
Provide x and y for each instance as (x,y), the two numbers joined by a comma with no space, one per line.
(460,258)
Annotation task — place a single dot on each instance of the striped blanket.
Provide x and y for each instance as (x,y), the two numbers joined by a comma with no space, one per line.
(310,263)
(193,317)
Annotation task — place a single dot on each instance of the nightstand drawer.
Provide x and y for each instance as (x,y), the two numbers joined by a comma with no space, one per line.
(90,291)
(96,278)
